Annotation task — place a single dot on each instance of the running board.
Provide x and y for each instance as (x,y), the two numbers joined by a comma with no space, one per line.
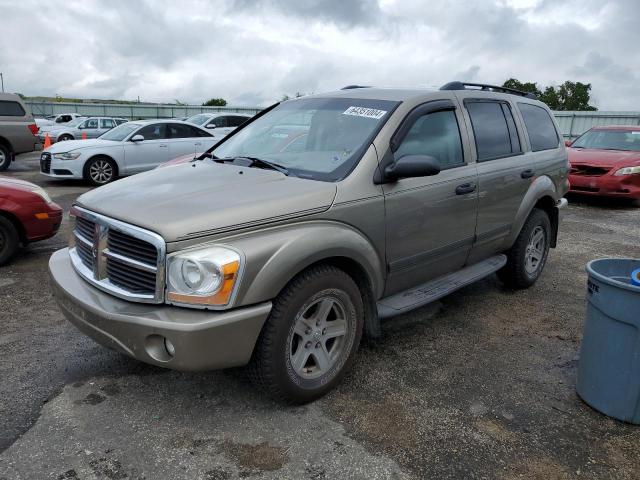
(435,289)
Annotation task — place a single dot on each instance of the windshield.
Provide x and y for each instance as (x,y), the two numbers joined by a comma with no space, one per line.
(199,119)
(609,140)
(120,132)
(317,138)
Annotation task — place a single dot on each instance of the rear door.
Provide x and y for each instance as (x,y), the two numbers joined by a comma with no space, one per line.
(187,139)
(91,128)
(430,221)
(504,171)
(148,153)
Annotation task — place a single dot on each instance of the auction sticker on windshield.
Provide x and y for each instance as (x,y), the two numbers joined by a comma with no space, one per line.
(365,112)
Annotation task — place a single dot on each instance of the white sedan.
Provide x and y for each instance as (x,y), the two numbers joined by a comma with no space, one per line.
(127,149)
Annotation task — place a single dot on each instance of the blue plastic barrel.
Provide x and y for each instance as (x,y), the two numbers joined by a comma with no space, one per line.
(609,369)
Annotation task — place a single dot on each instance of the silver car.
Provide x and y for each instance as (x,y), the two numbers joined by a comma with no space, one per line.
(80,128)
(219,124)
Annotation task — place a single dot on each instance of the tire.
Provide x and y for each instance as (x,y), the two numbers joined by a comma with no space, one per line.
(5,158)
(528,255)
(9,240)
(298,357)
(65,137)
(100,170)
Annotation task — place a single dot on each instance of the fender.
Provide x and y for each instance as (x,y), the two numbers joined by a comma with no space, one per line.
(541,187)
(274,256)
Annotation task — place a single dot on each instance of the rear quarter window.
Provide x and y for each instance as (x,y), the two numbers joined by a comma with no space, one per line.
(11,109)
(493,128)
(542,132)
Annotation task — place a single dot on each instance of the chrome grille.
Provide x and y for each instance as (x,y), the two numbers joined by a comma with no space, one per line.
(119,258)
(45,162)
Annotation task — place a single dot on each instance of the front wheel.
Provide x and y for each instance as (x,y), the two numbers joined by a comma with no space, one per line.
(9,240)
(100,170)
(65,138)
(528,255)
(310,339)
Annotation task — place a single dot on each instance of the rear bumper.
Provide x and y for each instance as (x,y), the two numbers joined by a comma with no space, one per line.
(203,340)
(624,186)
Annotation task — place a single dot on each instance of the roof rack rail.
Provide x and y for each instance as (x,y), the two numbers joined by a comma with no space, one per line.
(486,87)
(351,87)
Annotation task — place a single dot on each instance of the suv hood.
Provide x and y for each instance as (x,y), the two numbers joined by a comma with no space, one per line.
(204,198)
(603,158)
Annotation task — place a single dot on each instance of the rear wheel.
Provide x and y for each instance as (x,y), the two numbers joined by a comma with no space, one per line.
(65,137)
(528,255)
(311,336)
(5,158)
(9,240)
(100,170)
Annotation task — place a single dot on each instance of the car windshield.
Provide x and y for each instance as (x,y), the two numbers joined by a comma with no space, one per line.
(120,132)
(609,140)
(199,119)
(317,138)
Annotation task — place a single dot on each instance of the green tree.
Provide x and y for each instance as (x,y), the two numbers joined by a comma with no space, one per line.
(568,96)
(215,102)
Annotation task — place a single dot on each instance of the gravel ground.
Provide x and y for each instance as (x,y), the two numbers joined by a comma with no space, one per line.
(479,385)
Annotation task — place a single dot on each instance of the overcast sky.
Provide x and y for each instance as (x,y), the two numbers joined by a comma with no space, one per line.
(253,52)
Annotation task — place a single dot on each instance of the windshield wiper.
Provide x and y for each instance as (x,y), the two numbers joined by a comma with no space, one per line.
(257,162)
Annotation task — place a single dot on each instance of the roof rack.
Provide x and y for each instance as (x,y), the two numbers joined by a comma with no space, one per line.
(351,87)
(485,87)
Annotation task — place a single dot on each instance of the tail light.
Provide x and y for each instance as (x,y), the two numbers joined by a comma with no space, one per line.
(34,128)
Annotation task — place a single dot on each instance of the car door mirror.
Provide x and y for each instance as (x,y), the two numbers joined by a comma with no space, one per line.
(137,138)
(409,166)
(211,125)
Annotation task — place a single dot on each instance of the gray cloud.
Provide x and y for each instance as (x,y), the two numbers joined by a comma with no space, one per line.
(254,52)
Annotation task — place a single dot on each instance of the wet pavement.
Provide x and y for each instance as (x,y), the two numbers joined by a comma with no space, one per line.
(478,385)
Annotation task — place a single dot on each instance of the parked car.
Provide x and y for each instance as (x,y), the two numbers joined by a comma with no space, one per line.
(59,119)
(27,215)
(220,124)
(129,148)
(17,129)
(92,127)
(283,259)
(606,161)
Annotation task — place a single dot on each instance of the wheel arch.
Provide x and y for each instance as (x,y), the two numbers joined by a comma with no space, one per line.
(542,194)
(22,234)
(5,141)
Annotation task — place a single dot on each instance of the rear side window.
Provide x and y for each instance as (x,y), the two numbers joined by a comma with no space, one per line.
(542,132)
(218,122)
(437,135)
(178,130)
(107,123)
(11,109)
(494,129)
(236,121)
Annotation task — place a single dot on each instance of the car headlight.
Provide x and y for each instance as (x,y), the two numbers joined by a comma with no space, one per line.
(66,156)
(628,171)
(205,276)
(42,194)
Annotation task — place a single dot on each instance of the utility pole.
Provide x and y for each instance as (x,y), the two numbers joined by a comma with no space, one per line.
(2,81)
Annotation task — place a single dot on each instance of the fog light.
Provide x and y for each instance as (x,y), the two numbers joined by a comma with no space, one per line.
(171,350)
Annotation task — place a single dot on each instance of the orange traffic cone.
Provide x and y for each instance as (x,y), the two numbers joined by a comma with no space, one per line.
(84,135)
(47,141)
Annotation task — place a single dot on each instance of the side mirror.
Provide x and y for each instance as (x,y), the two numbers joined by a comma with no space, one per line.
(80,127)
(412,166)
(137,138)
(211,125)
(568,143)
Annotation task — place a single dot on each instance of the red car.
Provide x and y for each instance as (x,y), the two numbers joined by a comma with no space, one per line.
(606,161)
(27,215)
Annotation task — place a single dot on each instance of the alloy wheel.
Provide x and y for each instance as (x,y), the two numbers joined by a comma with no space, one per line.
(535,252)
(101,171)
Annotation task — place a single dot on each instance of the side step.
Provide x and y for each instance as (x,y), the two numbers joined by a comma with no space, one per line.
(431,291)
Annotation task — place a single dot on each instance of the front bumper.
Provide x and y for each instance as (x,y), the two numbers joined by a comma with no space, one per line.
(609,185)
(63,168)
(203,340)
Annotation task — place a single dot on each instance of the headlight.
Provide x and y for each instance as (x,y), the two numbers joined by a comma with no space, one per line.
(628,171)
(42,194)
(66,156)
(204,276)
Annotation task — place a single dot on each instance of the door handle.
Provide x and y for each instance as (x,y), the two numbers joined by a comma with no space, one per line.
(162,146)
(198,143)
(528,173)
(465,188)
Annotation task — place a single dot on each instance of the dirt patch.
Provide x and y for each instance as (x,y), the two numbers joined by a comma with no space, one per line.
(252,459)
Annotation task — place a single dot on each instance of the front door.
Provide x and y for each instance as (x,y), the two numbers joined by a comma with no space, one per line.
(148,153)
(430,221)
